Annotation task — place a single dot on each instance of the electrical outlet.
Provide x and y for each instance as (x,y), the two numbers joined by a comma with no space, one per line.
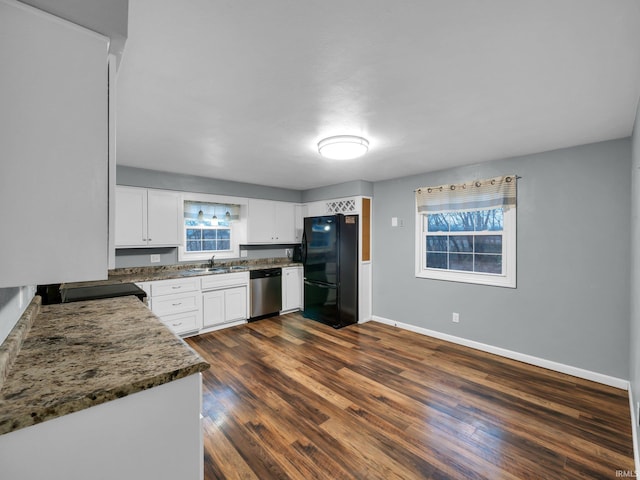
(244,253)
(155,258)
(455,317)
(401,222)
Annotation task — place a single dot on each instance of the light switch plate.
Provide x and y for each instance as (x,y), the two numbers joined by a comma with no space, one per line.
(394,221)
(155,258)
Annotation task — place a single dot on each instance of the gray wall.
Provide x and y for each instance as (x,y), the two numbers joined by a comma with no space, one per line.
(347,189)
(634,358)
(139,177)
(141,257)
(572,301)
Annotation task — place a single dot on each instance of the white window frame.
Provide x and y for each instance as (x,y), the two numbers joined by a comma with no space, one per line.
(238,228)
(506,279)
(206,227)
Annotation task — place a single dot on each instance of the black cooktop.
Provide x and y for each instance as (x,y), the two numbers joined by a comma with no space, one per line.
(78,294)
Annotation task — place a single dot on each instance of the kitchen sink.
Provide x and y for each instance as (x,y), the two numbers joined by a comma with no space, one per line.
(203,270)
(238,268)
(208,270)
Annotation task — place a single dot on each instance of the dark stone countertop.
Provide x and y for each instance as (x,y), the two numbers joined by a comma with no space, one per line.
(77,355)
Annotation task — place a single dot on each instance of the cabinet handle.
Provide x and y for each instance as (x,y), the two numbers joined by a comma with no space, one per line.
(176,304)
(176,287)
(176,324)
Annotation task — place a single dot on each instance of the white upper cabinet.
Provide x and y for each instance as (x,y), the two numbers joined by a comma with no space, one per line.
(271,222)
(147,217)
(163,218)
(53,144)
(131,213)
(261,221)
(284,222)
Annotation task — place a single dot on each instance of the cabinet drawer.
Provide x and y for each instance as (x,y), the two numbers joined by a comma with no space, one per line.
(176,303)
(224,280)
(182,322)
(168,287)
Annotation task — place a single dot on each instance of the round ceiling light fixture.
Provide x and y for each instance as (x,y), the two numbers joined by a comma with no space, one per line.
(343,147)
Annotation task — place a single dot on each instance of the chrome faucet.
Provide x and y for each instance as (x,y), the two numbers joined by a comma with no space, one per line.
(211,261)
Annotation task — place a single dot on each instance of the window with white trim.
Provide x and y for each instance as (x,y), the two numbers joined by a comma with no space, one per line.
(209,230)
(467,232)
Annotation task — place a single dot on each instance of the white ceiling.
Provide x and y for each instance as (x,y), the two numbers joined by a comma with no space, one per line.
(244,89)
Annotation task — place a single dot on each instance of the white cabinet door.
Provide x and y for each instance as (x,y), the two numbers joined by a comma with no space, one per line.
(235,304)
(271,222)
(291,288)
(176,285)
(163,216)
(53,149)
(260,221)
(177,303)
(226,305)
(131,217)
(182,322)
(213,308)
(284,223)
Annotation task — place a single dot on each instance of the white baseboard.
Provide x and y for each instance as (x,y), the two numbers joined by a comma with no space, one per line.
(634,429)
(522,357)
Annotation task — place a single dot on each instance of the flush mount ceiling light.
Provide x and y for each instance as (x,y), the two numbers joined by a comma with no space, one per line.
(343,147)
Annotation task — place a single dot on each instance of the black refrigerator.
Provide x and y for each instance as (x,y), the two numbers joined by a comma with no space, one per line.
(330,258)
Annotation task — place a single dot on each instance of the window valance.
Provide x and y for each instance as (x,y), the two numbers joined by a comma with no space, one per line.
(222,211)
(475,195)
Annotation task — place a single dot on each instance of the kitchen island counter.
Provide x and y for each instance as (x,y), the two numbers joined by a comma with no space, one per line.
(82,354)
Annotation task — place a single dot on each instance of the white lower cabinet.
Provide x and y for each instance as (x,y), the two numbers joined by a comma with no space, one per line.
(213,308)
(178,303)
(223,306)
(194,304)
(235,304)
(183,322)
(292,288)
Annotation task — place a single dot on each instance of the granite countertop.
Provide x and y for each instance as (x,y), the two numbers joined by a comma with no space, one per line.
(78,355)
(168,272)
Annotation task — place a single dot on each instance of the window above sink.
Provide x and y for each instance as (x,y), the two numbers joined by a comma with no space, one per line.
(212,225)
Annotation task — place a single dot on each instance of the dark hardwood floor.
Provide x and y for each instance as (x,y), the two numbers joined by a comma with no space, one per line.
(291,398)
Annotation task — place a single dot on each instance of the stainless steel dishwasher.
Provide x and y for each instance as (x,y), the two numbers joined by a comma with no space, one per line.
(266,293)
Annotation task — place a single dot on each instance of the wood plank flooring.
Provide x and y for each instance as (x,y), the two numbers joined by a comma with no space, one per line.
(291,398)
